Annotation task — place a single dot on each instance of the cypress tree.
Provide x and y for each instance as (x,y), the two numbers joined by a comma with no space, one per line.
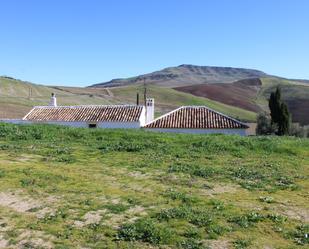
(285,120)
(279,113)
(275,106)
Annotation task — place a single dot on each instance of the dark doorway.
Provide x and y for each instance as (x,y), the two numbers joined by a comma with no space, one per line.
(92,125)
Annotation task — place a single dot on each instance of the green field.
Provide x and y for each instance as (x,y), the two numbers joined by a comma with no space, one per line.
(64,187)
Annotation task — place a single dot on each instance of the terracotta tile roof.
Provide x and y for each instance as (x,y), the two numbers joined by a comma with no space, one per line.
(195,117)
(91,113)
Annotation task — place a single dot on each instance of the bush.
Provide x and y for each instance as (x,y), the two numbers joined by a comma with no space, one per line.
(241,243)
(300,235)
(247,220)
(116,208)
(264,126)
(145,230)
(299,131)
(175,195)
(191,244)
(196,217)
(193,170)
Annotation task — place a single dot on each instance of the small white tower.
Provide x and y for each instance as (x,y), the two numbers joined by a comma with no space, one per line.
(53,100)
(149,110)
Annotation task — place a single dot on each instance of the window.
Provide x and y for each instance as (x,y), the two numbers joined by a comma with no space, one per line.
(92,125)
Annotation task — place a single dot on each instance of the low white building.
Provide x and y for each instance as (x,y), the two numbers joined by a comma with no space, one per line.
(186,119)
(198,120)
(92,116)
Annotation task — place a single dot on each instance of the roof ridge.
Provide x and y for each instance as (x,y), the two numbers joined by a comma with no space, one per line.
(77,106)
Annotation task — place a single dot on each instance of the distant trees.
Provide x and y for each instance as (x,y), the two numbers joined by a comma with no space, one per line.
(279,113)
(279,121)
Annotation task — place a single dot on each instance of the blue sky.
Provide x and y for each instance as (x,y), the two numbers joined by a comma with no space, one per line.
(75,42)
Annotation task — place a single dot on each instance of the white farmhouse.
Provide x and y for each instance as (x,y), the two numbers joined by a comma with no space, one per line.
(186,119)
(196,119)
(92,116)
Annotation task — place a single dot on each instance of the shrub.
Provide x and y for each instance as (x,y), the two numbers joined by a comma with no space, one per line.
(247,220)
(193,170)
(277,218)
(145,230)
(241,243)
(194,216)
(175,195)
(191,243)
(217,204)
(264,126)
(27,182)
(299,131)
(116,208)
(267,199)
(300,235)
(2,173)
(192,232)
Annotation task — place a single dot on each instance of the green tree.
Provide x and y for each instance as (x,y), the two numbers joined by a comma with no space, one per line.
(264,125)
(279,113)
(285,120)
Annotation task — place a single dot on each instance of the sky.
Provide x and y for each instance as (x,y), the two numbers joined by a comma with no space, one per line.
(82,42)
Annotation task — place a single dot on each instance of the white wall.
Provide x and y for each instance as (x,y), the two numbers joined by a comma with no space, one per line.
(15,121)
(142,118)
(149,110)
(115,125)
(119,125)
(241,132)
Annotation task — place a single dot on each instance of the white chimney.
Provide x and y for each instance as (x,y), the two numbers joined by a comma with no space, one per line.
(149,110)
(53,100)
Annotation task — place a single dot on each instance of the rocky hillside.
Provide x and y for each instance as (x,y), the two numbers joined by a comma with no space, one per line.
(185,75)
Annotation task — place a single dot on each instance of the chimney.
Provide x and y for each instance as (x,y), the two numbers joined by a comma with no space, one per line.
(53,100)
(149,110)
(137,99)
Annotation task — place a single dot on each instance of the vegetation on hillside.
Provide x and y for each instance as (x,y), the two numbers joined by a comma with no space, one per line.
(64,187)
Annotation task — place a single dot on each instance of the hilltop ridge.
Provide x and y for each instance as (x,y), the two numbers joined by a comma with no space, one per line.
(186,74)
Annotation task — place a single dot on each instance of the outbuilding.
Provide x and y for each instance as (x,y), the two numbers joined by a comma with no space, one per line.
(198,120)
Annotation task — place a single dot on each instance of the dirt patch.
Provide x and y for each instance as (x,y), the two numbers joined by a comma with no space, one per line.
(3,242)
(40,214)
(294,212)
(4,225)
(92,217)
(220,189)
(34,239)
(24,204)
(218,244)
(17,202)
(137,174)
(132,214)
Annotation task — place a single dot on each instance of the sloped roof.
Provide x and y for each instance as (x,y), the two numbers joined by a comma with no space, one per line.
(90,113)
(195,117)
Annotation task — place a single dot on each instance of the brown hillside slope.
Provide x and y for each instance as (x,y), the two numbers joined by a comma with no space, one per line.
(240,93)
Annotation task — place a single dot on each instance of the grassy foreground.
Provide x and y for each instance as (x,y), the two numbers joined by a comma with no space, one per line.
(77,188)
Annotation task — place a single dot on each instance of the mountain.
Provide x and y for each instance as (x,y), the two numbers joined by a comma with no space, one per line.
(185,75)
